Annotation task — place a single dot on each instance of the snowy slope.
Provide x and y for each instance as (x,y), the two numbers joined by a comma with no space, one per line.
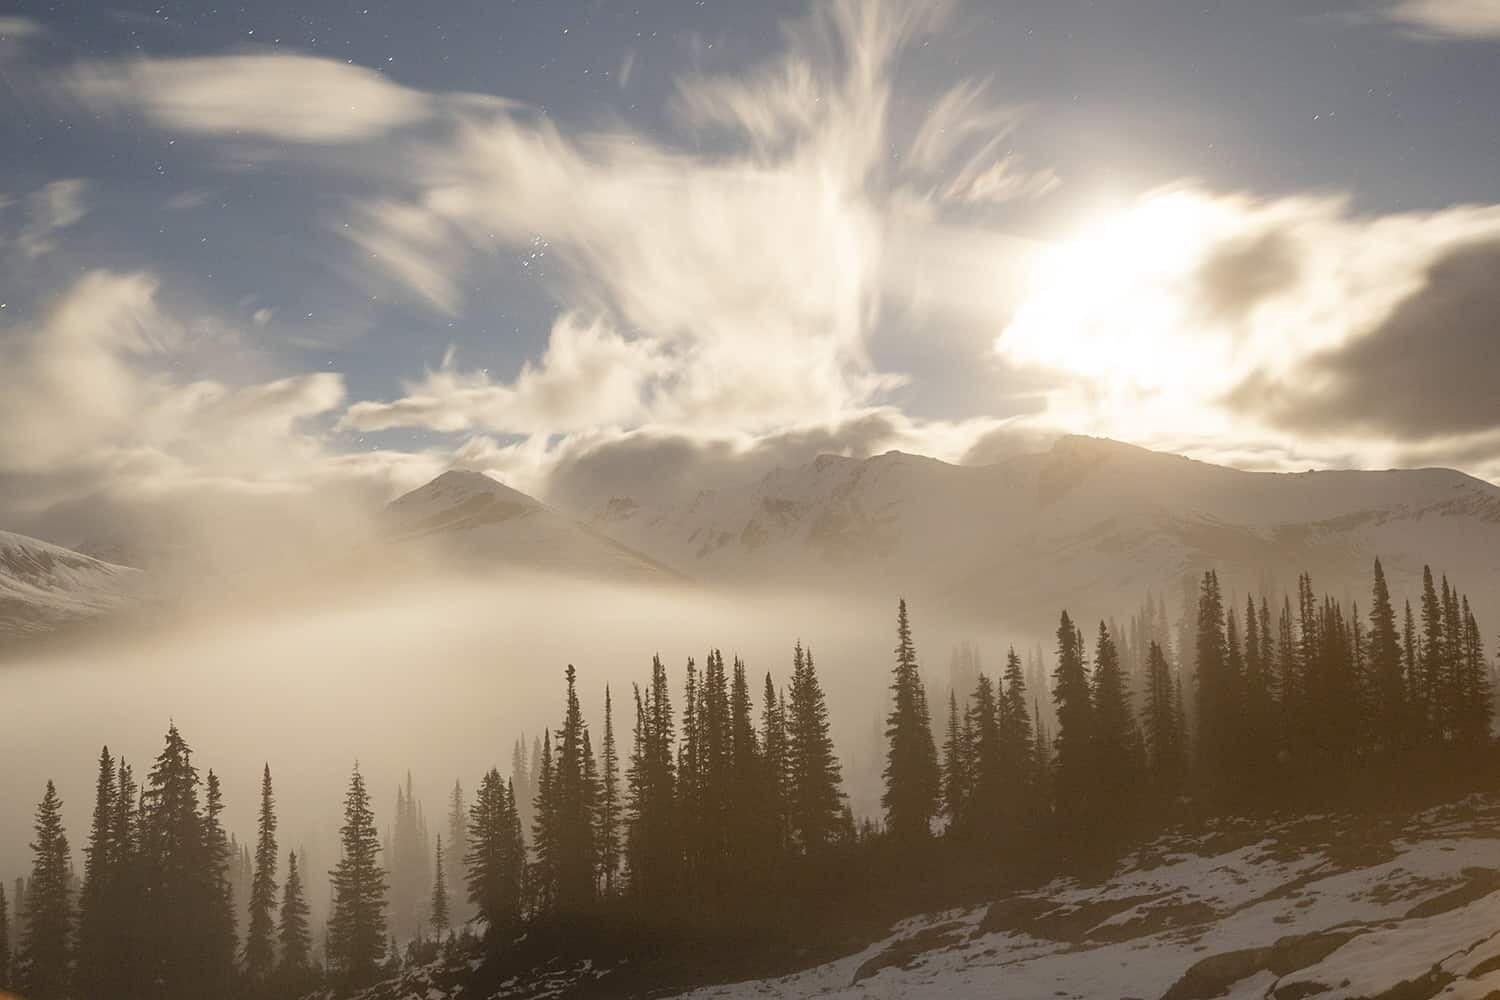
(1091,524)
(469,518)
(1314,907)
(44,585)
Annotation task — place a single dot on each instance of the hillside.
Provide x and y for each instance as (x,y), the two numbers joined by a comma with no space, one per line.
(43,586)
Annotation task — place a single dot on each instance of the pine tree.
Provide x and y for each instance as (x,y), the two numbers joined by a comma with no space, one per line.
(1073,744)
(773,736)
(955,766)
(1433,659)
(439,915)
(1117,748)
(1016,749)
(912,776)
(496,859)
(98,928)
(293,936)
(260,956)
(220,923)
(813,771)
(609,801)
(1389,687)
(1217,705)
(47,942)
(458,848)
(357,925)
(1164,738)
(653,858)
(5,962)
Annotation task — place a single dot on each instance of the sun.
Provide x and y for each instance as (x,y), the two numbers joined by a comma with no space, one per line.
(1113,302)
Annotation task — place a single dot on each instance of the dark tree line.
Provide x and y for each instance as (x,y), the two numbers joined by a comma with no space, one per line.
(727,807)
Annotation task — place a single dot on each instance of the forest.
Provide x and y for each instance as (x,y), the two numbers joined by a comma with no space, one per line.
(709,835)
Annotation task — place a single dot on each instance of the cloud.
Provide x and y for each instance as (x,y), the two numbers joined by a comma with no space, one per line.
(1288,323)
(20,27)
(285,97)
(590,376)
(1426,371)
(54,207)
(1446,19)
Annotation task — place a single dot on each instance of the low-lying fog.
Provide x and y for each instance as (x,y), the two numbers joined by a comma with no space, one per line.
(438,675)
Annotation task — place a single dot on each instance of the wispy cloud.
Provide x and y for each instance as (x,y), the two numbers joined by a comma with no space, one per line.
(1446,19)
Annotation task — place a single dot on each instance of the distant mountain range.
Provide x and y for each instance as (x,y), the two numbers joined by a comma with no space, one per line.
(1089,524)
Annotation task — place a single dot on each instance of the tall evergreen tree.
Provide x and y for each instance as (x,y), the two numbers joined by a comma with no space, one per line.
(1218,708)
(496,859)
(260,952)
(1117,745)
(774,737)
(219,926)
(912,776)
(813,771)
(955,766)
(438,916)
(1389,685)
(5,959)
(1073,744)
(609,801)
(47,943)
(458,827)
(293,935)
(1164,738)
(98,916)
(357,925)
(1017,791)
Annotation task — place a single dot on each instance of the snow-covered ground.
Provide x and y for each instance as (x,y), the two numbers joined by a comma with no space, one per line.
(1318,906)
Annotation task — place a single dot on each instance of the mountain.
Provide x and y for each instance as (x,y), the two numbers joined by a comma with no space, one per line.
(1090,524)
(43,586)
(470,519)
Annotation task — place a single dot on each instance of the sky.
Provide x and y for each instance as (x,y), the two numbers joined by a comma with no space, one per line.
(254,254)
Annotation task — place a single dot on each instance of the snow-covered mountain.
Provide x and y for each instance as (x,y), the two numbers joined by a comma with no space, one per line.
(469,518)
(43,585)
(1091,524)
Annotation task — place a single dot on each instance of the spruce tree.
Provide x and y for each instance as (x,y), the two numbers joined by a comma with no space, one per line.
(955,766)
(1217,705)
(912,776)
(438,917)
(260,955)
(609,801)
(1117,749)
(357,925)
(497,858)
(773,736)
(1164,742)
(98,930)
(1073,745)
(1389,687)
(458,849)
(47,943)
(219,925)
(813,774)
(293,935)
(1430,715)
(5,962)
(1016,749)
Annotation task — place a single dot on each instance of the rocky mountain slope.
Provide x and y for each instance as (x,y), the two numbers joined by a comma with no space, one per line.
(1090,524)
(43,586)
(470,519)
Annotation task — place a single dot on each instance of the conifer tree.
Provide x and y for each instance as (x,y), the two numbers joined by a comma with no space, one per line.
(955,766)
(497,857)
(1433,658)
(1116,738)
(357,925)
(986,760)
(458,849)
(5,959)
(260,955)
(652,835)
(1389,687)
(219,926)
(1016,750)
(1073,744)
(773,736)
(912,776)
(293,935)
(609,801)
(47,942)
(98,930)
(544,829)
(813,771)
(1217,705)
(1164,741)
(438,917)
